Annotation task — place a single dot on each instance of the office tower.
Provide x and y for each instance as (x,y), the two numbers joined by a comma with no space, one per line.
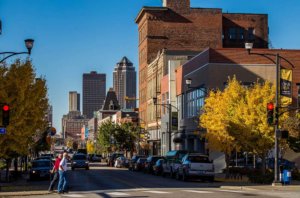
(93,93)
(74,101)
(124,83)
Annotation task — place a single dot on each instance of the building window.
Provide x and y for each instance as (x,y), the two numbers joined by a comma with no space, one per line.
(195,101)
(251,34)
(298,98)
(236,33)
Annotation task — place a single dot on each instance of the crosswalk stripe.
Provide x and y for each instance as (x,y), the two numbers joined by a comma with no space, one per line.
(156,192)
(73,195)
(232,191)
(118,194)
(197,191)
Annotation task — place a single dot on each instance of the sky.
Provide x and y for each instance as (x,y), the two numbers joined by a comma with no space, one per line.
(73,37)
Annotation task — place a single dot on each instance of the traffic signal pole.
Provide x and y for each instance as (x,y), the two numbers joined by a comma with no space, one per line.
(276,181)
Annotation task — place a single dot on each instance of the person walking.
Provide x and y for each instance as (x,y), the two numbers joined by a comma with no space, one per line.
(62,184)
(54,171)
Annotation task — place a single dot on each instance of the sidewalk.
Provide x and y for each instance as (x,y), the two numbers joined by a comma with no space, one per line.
(22,187)
(244,184)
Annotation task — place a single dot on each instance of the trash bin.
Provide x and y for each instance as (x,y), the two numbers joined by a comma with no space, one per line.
(287,177)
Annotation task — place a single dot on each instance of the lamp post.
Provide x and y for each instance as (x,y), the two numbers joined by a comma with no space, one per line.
(29,46)
(248,47)
(169,107)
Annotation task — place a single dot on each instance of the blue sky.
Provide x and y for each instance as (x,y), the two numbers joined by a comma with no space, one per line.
(73,37)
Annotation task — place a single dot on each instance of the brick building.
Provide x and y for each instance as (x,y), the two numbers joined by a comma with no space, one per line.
(178,27)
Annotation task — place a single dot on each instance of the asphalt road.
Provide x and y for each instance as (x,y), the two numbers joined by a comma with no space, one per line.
(106,182)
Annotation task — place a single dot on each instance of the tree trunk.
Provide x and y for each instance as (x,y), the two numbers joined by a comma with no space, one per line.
(227,160)
(263,164)
(16,165)
(26,163)
(8,162)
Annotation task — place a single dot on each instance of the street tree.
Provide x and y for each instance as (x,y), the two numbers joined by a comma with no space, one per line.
(105,136)
(27,96)
(218,111)
(249,124)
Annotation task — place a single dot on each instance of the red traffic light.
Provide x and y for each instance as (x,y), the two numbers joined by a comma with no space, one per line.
(270,106)
(5,108)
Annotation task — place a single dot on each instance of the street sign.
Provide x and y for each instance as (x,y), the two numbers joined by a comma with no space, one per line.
(2,130)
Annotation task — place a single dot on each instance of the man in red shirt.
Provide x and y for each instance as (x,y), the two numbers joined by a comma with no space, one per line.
(55,172)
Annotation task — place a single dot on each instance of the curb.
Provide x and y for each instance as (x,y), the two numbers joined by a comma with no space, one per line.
(25,193)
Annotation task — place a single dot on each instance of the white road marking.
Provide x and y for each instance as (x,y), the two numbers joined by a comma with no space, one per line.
(197,191)
(73,195)
(156,192)
(232,191)
(117,194)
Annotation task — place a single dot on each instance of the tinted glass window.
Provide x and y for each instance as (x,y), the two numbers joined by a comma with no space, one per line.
(79,157)
(41,164)
(198,159)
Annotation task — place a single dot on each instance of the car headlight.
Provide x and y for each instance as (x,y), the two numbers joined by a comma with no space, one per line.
(74,162)
(86,162)
(33,172)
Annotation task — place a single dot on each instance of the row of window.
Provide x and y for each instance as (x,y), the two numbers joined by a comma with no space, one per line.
(237,33)
(195,101)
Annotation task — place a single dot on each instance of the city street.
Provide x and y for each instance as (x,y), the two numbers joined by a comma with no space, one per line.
(101,181)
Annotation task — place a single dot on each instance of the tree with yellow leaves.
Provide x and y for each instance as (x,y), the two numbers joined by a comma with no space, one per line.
(249,124)
(218,112)
(90,147)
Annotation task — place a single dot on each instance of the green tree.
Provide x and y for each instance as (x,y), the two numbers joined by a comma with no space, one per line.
(27,97)
(105,136)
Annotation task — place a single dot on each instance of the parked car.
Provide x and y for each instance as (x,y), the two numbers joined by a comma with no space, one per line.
(196,165)
(150,162)
(79,161)
(40,169)
(113,157)
(133,161)
(172,162)
(157,168)
(121,162)
(96,158)
(140,164)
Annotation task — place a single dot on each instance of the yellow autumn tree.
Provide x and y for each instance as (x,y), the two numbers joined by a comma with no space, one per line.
(90,147)
(218,111)
(249,124)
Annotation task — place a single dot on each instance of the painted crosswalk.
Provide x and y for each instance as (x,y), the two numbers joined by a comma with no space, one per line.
(197,191)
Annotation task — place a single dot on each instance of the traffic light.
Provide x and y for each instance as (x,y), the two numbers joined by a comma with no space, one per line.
(5,114)
(270,113)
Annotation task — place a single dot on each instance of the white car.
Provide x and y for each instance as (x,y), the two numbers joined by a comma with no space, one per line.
(195,165)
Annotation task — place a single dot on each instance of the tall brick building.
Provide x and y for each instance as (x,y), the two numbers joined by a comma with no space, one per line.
(177,27)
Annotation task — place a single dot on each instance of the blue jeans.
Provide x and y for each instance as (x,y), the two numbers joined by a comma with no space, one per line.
(62,184)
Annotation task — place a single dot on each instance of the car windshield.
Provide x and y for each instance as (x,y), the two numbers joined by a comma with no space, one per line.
(79,157)
(198,159)
(41,164)
(142,159)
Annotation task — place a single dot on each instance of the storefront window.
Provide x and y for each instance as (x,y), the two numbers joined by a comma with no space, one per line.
(195,101)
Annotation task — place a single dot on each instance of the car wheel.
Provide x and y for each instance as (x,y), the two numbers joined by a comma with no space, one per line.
(73,168)
(163,173)
(87,168)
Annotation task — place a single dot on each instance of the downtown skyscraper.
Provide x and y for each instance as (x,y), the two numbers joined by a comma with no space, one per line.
(74,101)
(93,93)
(124,83)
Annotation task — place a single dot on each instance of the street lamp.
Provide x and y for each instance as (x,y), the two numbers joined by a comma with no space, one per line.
(248,47)
(29,46)
(169,107)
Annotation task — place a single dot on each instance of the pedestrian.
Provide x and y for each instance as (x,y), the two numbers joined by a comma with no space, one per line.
(55,173)
(62,184)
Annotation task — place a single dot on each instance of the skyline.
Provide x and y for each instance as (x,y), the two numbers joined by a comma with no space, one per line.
(69,42)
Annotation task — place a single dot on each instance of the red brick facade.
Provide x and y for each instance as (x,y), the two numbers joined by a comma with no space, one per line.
(179,27)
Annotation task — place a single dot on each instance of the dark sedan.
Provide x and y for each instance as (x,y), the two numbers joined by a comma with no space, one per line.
(157,168)
(80,161)
(140,164)
(40,169)
(150,162)
(133,161)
